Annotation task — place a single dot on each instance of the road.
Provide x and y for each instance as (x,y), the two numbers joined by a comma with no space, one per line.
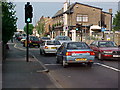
(103,74)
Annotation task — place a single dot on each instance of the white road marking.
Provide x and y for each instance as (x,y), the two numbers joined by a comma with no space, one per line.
(115,69)
(51,64)
(25,48)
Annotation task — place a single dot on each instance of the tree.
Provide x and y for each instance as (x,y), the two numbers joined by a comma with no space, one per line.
(9,20)
(30,26)
(116,21)
(40,27)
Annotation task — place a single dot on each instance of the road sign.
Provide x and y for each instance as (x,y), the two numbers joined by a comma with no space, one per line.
(103,29)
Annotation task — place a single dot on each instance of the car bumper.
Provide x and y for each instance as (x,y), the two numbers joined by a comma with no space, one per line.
(34,44)
(107,56)
(50,51)
(83,59)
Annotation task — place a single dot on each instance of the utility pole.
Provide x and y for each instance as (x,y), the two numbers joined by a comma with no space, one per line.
(28,19)
(79,27)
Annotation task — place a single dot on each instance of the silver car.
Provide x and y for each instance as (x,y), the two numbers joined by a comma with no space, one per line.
(49,46)
(62,39)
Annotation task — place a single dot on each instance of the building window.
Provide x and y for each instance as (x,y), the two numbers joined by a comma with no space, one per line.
(82,18)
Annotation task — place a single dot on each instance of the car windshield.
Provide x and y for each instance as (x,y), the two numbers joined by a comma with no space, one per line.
(45,38)
(53,43)
(62,38)
(77,45)
(107,44)
(34,39)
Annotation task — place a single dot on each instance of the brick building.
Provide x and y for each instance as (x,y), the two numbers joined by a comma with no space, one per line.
(79,13)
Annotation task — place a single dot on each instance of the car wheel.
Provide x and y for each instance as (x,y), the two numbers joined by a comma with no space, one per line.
(44,53)
(57,61)
(99,56)
(64,64)
(40,52)
(38,46)
(90,64)
(23,45)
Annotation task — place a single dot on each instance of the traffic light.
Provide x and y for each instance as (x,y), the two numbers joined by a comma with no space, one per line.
(28,13)
(78,26)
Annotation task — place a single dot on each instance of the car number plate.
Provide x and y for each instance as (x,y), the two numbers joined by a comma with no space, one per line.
(116,55)
(53,47)
(81,59)
(34,44)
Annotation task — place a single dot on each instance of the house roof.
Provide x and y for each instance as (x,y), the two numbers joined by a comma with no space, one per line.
(60,12)
(107,12)
(70,7)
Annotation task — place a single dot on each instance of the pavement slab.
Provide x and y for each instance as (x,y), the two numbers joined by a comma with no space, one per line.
(17,73)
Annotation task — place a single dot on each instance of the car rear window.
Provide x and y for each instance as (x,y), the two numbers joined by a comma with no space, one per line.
(45,38)
(53,43)
(107,44)
(34,39)
(77,45)
(62,38)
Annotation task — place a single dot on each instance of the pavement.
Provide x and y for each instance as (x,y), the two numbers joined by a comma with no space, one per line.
(18,73)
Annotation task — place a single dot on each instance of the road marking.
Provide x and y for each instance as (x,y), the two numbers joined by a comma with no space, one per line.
(115,69)
(25,48)
(51,64)
(49,74)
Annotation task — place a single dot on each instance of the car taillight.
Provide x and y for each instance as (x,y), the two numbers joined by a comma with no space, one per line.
(30,41)
(92,53)
(46,47)
(68,53)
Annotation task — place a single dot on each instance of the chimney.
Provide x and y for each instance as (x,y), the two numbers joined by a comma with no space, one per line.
(110,10)
(65,6)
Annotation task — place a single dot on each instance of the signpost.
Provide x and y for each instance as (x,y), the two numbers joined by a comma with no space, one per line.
(103,29)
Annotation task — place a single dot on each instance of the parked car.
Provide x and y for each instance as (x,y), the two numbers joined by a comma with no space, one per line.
(62,39)
(23,39)
(42,39)
(33,41)
(75,52)
(49,46)
(105,50)
(19,37)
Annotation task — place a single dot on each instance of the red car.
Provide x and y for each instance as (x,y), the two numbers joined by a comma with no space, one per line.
(105,50)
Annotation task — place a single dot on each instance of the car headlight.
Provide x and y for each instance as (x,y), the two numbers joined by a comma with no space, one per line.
(107,51)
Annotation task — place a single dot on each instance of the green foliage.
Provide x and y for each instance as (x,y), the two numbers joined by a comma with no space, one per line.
(30,26)
(116,21)
(9,20)
(40,27)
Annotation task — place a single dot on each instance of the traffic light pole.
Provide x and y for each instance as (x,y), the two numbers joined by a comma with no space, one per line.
(27,51)
(28,19)
(81,35)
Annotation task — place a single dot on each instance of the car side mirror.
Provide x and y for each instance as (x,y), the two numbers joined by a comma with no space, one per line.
(96,45)
(90,44)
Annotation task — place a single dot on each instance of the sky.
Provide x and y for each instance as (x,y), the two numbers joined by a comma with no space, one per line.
(50,8)
(65,0)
